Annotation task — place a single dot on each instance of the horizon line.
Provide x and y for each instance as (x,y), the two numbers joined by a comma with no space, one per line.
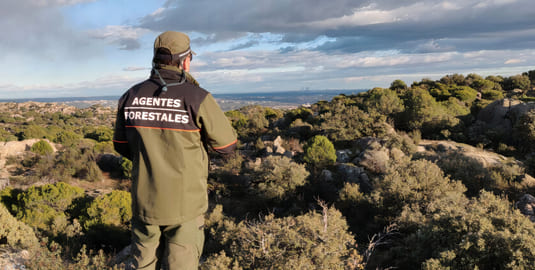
(74,98)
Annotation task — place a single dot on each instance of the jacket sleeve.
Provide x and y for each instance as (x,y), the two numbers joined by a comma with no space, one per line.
(219,134)
(120,141)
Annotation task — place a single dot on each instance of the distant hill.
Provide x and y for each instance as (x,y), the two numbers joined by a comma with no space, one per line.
(282,99)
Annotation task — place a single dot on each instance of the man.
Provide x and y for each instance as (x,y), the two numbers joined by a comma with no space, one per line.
(164,125)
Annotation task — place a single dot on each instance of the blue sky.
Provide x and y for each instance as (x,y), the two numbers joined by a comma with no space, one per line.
(59,48)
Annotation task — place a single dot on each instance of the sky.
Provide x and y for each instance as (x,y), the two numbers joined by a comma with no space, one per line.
(80,48)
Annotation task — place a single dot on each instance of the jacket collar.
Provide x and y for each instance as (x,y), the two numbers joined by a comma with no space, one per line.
(171,73)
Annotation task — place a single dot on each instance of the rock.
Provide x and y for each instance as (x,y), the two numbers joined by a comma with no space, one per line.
(374,160)
(526,180)
(277,142)
(501,115)
(367,142)
(269,150)
(254,164)
(15,148)
(396,154)
(277,145)
(435,149)
(343,156)
(124,257)
(526,205)
(288,154)
(354,174)
(326,176)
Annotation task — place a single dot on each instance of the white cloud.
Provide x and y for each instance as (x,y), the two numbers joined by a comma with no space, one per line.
(157,12)
(361,60)
(124,36)
(48,3)
(514,61)
(135,68)
(490,3)
(107,85)
(362,16)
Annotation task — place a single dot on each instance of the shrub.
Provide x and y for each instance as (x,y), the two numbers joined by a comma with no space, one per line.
(67,138)
(113,209)
(524,131)
(398,85)
(347,123)
(42,147)
(39,206)
(483,233)
(238,119)
(516,82)
(385,101)
(320,152)
(99,134)
(310,241)
(126,166)
(492,94)
(32,132)
(464,93)
(278,176)
(418,183)
(15,233)
(420,107)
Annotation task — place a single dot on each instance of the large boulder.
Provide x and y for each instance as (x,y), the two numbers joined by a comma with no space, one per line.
(354,174)
(501,115)
(526,205)
(277,145)
(343,156)
(374,157)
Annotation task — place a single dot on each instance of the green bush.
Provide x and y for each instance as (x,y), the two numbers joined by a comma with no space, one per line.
(39,206)
(348,123)
(32,132)
(464,93)
(483,233)
(492,94)
(420,107)
(320,152)
(15,233)
(42,148)
(67,138)
(417,183)
(99,134)
(113,209)
(126,166)
(69,163)
(310,241)
(524,131)
(237,118)
(385,101)
(277,176)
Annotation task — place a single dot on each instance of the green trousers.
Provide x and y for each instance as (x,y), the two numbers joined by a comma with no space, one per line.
(170,247)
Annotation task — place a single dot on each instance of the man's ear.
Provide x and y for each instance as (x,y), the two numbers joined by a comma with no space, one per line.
(185,64)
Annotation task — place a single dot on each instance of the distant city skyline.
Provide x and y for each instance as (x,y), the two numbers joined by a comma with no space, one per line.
(74,48)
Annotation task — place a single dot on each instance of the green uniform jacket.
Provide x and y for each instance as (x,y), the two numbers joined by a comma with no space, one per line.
(165,134)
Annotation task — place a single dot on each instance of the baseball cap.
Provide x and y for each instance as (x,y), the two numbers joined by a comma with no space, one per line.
(177,43)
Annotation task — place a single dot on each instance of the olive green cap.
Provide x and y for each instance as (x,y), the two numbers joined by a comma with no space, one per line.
(176,42)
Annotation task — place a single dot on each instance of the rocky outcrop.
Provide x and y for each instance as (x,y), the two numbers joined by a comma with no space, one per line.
(485,158)
(354,174)
(526,205)
(40,107)
(343,156)
(374,157)
(16,148)
(501,115)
